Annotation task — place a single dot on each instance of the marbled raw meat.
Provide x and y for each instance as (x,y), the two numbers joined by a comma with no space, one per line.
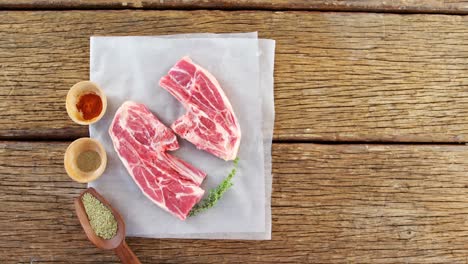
(141,142)
(210,123)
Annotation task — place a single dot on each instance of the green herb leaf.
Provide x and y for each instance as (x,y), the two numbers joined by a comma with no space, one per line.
(216,193)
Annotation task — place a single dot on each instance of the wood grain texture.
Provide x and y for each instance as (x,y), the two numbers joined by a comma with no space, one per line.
(400,6)
(338,76)
(331,203)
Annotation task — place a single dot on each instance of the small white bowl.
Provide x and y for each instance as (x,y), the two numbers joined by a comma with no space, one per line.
(71,155)
(74,94)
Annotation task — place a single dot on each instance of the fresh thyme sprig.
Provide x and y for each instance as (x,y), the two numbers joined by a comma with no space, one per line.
(216,193)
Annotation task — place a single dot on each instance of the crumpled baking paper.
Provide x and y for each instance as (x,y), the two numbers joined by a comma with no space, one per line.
(129,68)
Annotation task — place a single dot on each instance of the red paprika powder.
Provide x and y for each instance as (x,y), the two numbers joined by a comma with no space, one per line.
(90,106)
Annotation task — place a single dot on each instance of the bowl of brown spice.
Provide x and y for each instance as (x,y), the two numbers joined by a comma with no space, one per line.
(86,103)
(85,160)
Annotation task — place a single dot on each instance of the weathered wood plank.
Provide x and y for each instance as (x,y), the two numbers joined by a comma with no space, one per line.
(338,76)
(414,6)
(331,203)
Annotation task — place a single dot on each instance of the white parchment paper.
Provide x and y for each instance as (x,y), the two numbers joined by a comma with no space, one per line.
(129,68)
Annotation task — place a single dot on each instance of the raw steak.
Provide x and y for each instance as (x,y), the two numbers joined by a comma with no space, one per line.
(210,123)
(141,142)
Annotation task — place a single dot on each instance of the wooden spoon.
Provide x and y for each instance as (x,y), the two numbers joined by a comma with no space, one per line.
(117,243)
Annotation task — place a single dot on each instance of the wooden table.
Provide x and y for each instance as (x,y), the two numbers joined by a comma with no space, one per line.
(369,155)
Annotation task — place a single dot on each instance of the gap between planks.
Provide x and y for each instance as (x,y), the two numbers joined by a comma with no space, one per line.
(396,6)
(275,141)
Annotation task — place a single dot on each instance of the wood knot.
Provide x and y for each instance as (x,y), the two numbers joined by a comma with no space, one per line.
(407,234)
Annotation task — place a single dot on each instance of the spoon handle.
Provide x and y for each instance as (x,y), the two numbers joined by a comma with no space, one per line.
(125,254)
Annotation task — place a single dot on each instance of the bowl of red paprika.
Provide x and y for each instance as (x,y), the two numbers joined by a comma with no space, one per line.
(86,103)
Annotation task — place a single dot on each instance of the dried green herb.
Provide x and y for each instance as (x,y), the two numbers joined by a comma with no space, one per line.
(100,217)
(216,193)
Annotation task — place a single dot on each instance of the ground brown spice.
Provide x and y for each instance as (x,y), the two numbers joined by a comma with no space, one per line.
(88,161)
